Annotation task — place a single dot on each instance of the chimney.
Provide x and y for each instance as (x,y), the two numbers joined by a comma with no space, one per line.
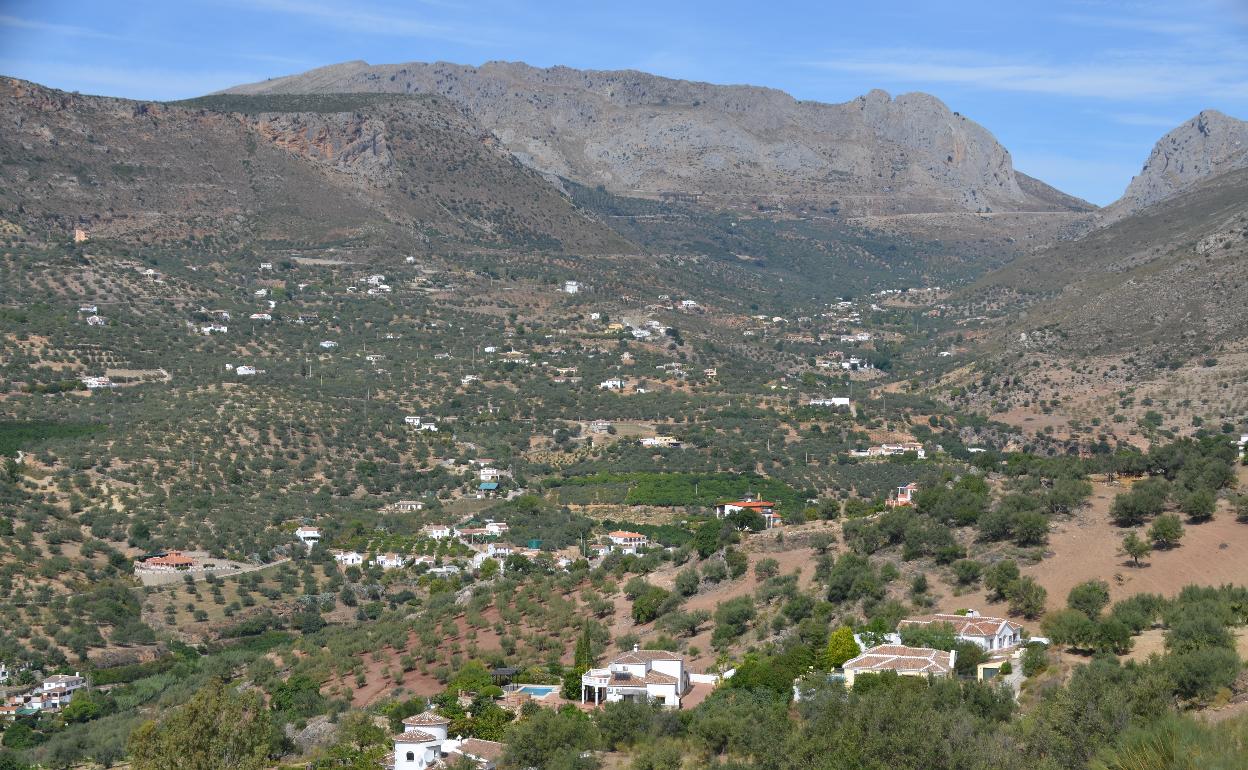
(636,647)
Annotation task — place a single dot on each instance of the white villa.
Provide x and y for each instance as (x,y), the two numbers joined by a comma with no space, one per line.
(612,384)
(989,633)
(571,287)
(627,542)
(420,743)
(438,531)
(349,558)
(56,691)
(391,560)
(640,675)
(903,496)
(762,507)
(665,442)
(97,383)
(833,401)
(309,535)
(904,661)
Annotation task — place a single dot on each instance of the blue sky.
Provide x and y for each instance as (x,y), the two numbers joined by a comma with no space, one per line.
(1077,90)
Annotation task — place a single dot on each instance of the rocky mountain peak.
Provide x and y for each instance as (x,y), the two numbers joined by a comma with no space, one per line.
(1210,144)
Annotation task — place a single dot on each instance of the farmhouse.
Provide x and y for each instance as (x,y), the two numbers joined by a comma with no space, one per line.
(611,384)
(261,317)
(391,560)
(988,632)
(310,536)
(834,401)
(905,661)
(167,562)
(665,442)
(903,496)
(407,506)
(420,743)
(640,676)
(627,542)
(438,531)
(762,507)
(98,383)
(329,344)
(348,558)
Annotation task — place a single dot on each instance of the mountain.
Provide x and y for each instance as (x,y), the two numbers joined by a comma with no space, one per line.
(1205,146)
(388,171)
(1169,278)
(643,135)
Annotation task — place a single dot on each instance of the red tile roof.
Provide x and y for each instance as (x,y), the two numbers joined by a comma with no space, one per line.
(964,625)
(897,657)
(426,718)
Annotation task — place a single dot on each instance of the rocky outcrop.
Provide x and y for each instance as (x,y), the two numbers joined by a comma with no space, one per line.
(1206,146)
(636,133)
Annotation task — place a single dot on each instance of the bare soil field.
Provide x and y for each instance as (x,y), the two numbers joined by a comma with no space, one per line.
(1087,547)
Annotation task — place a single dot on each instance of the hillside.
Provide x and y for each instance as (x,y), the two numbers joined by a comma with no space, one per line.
(393,173)
(640,134)
(1169,277)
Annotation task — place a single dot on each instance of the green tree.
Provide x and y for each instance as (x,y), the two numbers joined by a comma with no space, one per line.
(841,647)
(551,739)
(217,729)
(1027,598)
(1089,597)
(1136,547)
(1199,505)
(1000,578)
(1166,531)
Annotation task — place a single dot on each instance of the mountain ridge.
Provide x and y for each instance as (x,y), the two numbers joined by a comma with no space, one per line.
(642,134)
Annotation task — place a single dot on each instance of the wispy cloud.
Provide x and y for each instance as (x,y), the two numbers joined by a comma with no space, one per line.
(371,21)
(1120,77)
(67,30)
(129,82)
(1145,119)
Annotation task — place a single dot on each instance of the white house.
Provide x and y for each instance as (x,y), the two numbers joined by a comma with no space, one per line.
(611,384)
(261,317)
(329,344)
(260,293)
(309,535)
(833,401)
(211,329)
(391,560)
(56,691)
(904,661)
(438,531)
(97,383)
(468,379)
(497,528)
(903,496)
(245,371)
(640,675)
(761,507)
(627,542)
(571,287)
(266,265)
(666,442)
(420,743)
(408,506)
(989,633)
(429,424)
(349,558)
(489,474)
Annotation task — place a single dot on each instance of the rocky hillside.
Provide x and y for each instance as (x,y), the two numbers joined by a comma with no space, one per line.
(1169,280)
(639,134)
(392,171)
(1205,146)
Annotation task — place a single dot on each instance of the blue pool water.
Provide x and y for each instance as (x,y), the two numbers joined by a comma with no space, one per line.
(537,690)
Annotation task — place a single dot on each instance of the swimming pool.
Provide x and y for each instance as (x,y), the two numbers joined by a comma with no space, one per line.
(536,690)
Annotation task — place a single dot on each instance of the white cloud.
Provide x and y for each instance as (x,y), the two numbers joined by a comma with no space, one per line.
(1117,77)
(128,82)
(392,23)
(66,30)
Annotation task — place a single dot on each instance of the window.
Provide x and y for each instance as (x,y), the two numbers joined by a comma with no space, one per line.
(411,756)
